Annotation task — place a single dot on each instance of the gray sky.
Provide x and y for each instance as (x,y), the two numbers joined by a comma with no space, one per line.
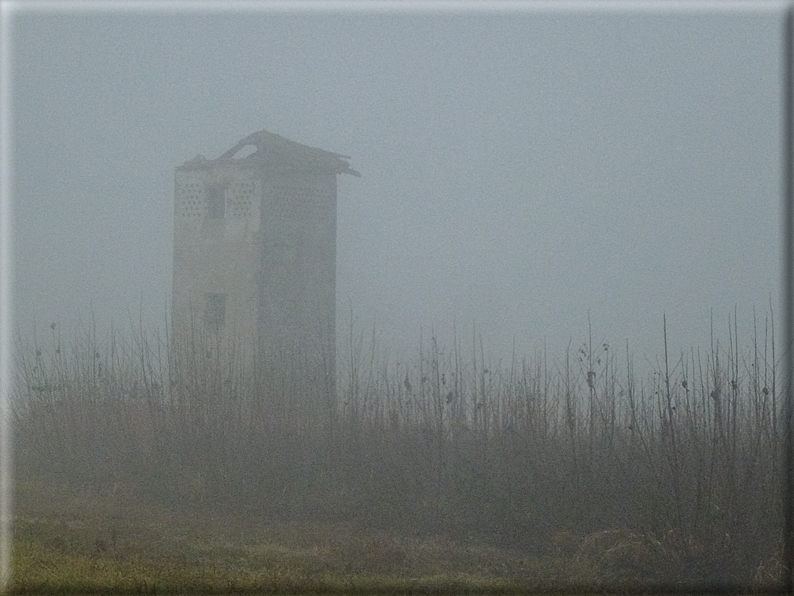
(519,169)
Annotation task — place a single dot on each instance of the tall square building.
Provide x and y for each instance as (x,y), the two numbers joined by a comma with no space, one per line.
(255,261)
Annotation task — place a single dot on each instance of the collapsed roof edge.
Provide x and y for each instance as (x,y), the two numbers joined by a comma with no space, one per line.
(267,142)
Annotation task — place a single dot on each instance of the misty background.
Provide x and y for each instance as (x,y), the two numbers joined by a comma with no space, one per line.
(521,170)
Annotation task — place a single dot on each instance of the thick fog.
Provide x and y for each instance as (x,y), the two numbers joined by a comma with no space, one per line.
(541,183)
(521,170)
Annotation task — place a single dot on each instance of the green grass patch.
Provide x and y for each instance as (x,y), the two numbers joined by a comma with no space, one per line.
(95,541)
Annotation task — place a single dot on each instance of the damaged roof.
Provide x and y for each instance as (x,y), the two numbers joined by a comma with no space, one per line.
(278,150)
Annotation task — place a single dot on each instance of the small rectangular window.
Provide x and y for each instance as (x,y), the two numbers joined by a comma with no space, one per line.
(215,310)
(216,201)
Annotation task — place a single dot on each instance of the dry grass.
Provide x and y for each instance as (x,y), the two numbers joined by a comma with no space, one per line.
(87,540)
(574,471)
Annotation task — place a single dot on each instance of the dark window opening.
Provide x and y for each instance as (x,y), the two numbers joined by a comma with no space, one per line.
(216,201)
(215,310)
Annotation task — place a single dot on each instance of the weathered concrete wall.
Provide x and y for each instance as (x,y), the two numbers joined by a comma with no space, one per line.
(298,299)
(217,255)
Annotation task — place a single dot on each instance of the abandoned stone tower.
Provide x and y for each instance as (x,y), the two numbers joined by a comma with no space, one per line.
(255,260)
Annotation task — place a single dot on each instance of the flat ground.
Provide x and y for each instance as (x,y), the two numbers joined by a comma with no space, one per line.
(102,540)
(91,540)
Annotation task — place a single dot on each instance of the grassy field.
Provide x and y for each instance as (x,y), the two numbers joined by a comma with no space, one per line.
(140,468)
(84,540)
